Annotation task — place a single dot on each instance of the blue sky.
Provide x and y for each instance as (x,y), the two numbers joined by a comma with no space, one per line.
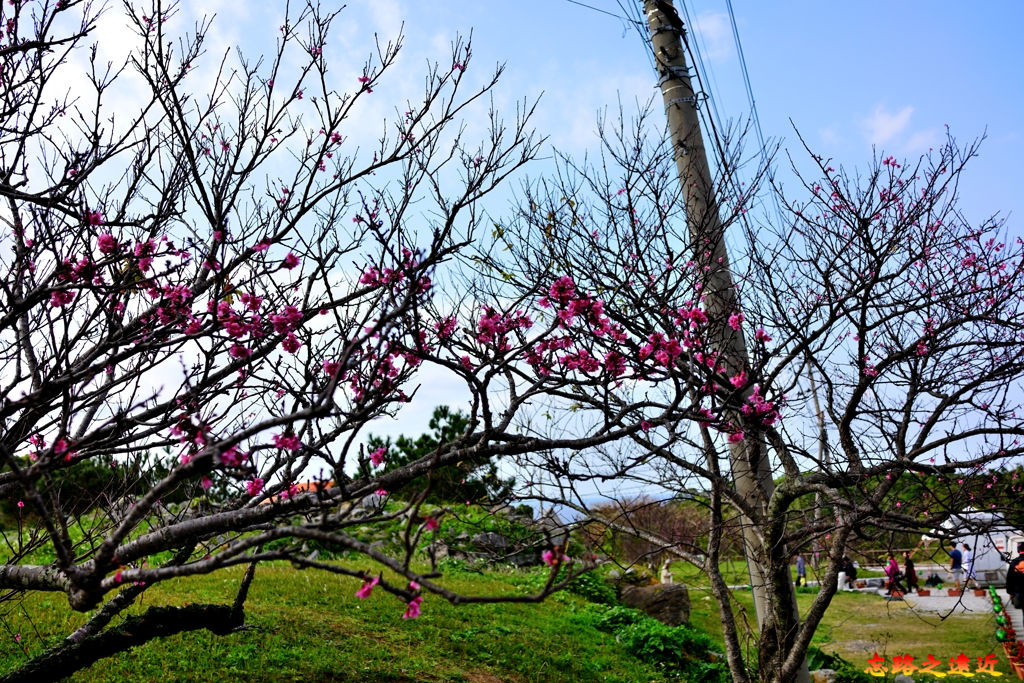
(852,77)
(849,75)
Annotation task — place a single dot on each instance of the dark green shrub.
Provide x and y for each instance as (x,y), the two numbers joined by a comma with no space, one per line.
(680,651)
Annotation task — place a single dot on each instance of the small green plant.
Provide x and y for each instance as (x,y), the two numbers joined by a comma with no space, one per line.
(618,617)
(594,588)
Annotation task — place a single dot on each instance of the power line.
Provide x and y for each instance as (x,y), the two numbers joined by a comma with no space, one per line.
(598,9)
(636,17)
(630,17)
(710,115)
(753,105)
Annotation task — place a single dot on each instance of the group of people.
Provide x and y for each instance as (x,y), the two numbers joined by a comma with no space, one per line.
(894,576)
(897,576)
(958,560)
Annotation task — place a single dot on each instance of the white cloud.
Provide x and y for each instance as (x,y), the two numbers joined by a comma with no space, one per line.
(387,17)
(893,130)
(882,126)
(923,140)
(829,136)
(714,34)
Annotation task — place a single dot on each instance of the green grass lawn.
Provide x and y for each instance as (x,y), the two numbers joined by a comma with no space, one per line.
(306,625)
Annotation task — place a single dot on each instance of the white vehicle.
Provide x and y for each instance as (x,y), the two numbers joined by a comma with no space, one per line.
(993,543)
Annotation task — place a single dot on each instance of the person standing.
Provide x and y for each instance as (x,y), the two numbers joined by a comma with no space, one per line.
(956,567)
(892,571)
(850,569)
(801,571)
(909,572)
(1015,578)
(969,571)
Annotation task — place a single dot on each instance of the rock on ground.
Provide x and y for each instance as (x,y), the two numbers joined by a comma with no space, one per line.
(669,603)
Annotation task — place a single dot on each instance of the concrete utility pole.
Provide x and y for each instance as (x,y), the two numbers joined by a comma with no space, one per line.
(749,464)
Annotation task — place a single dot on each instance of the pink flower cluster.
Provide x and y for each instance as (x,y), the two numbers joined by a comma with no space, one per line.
(563,295)
(494,327)
(61,298)
(445,328)
(175,303)
(107,244)
(287,442)
(391,277)
(757,406)
(82,270)
(412,610)
(664,349)
(144,252)
(233,457)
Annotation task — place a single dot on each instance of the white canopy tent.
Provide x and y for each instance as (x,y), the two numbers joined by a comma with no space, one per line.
(993,541)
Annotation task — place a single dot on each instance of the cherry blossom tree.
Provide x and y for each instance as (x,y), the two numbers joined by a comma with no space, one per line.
(885,334)
(214,281)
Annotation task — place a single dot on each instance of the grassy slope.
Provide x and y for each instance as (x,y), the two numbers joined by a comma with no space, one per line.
(309,626)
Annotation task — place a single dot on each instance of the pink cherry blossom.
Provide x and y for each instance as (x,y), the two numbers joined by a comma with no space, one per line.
(432,524)
(287,320)
(239,351)
(553,557)
(291,261)
(233,457)
(107,244)
(367,587)
(735,320)
(412,610)
(254,487)
(61,298)
(287,442)
(377,456)
(291,343)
